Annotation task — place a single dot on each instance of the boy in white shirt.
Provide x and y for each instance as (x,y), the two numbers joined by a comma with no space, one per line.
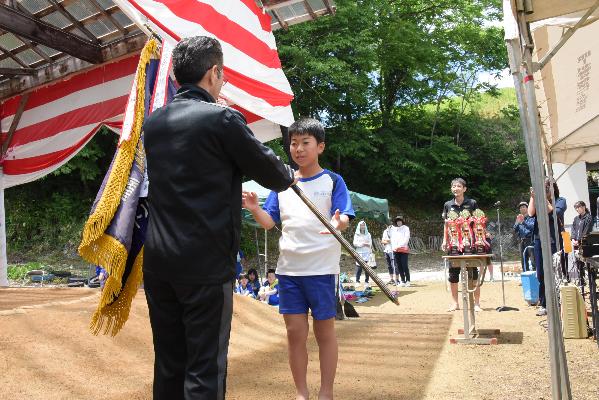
(309,259)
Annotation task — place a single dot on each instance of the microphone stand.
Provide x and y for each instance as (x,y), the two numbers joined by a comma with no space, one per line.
(503,307)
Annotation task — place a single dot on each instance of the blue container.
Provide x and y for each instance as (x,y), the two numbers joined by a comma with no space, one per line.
(530,286)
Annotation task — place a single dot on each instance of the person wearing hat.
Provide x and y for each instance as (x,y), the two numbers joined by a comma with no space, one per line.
(400,238)
(524,234)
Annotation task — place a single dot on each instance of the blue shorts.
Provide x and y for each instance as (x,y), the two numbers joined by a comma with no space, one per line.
(297,294)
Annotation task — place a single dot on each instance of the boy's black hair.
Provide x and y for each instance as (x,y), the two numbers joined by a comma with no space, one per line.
(194,56)
(459,180)
(307,126)
(270,270)
(253,271)
(555,188)
(579,203)
(242,276)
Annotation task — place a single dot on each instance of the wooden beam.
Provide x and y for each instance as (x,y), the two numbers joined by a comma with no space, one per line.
(327,3)
(309,9)
(74,21)
(70,66)
(14,124)
(48,35)
(16,71)
(280,20)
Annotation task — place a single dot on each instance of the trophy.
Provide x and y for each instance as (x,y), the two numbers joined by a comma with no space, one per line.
(452,234)
(466,235)
(479,223)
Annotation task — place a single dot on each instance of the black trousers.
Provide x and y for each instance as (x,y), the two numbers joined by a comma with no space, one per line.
(191,325)
(401,262)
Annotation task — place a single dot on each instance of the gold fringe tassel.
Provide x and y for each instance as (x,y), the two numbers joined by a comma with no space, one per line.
(110,318)
(98,248)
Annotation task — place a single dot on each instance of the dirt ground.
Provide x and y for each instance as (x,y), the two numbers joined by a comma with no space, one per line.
(391,352)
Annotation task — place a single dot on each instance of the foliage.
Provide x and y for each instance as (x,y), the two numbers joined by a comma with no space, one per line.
(19,271)
(396,84)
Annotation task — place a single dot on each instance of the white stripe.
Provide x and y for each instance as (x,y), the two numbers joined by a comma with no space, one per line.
(129,110)
(82,98)
(240,14)
(58,142)
(282,115)
(161,84)
(265,130)
(14,180)
(234,58)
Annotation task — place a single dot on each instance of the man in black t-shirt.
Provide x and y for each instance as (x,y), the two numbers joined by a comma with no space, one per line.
(458,204)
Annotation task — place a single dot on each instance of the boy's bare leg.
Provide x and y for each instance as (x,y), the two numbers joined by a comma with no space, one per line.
(327,352)
(297,335)
(454,296)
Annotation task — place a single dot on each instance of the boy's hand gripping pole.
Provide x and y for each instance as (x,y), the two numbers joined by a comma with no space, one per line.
(345,244)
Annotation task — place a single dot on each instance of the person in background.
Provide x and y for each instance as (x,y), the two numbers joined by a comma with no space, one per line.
(363,245)
(524,234)
(560,209)
(239,263)
(253,281)
(459,203)
(400,239)
(582,224)
(243,288)
(393,270)
(269,292)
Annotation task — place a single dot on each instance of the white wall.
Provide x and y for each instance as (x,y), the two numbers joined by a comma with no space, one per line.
(573,186)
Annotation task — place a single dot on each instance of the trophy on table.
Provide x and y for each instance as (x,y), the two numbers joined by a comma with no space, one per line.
(466,235)
(479,223)
(452,233)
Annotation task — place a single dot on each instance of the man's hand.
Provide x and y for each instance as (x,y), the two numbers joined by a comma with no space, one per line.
(336,220)
(249,200)
(519,218)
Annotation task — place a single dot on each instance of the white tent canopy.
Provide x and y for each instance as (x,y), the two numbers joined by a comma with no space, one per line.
(567,86)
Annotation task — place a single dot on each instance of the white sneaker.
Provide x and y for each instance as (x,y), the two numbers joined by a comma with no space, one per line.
(407,284)
(402,284)
(366,284)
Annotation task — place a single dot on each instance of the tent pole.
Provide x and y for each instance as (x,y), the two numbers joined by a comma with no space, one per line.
(560,383)
(3,258)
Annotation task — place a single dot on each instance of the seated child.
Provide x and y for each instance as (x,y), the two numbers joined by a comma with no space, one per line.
(242,287)
(269,293)
(254,282)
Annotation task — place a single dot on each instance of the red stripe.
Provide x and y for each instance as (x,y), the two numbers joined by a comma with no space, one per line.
(255,88)
(105,73)
(528,78)
(249,116)
(38,163)
(94,113)
(262,16)
(224,29)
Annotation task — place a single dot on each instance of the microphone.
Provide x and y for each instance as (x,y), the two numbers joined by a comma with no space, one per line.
(497,204)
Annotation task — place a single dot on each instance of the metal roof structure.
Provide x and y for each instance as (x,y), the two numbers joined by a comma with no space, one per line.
(45,40)
(289,12)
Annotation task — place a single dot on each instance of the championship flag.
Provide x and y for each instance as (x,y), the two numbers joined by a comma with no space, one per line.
(114,233)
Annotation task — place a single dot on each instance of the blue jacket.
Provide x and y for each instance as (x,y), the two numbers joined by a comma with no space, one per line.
(524,230)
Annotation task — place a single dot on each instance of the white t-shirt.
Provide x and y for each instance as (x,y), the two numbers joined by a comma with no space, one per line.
(303,250)
(400,237)
(387,236)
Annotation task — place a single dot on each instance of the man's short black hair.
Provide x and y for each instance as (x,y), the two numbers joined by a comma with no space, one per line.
(270,271)
(461,181)
(307,126)
(194,56)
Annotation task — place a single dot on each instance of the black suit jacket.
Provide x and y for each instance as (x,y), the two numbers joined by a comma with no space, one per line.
(197,152)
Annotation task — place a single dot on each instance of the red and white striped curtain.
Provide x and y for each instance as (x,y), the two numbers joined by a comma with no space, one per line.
(60,119)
